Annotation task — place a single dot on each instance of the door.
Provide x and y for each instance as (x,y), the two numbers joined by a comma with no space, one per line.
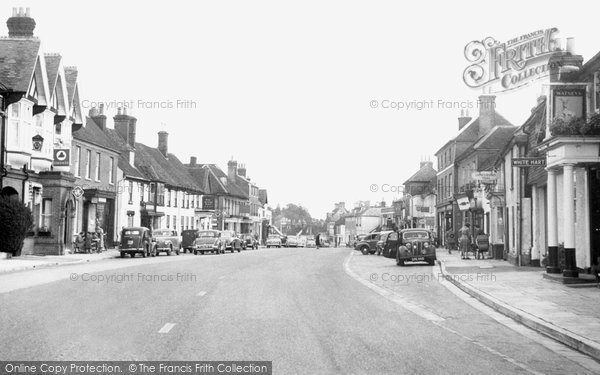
(391,245)
(594,199)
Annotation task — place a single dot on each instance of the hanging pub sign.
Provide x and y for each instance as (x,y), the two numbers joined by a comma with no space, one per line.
(208,202)
(569,102)
(61,157)
(529,162)
(463,203)
(503,66)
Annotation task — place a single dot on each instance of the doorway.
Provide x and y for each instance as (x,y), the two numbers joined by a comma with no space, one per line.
(594,202)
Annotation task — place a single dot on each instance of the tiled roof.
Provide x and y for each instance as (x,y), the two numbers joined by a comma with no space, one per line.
(52,65)
(209,176)
(425,174)
(91,133)
(18,58)
(170,170)
(498,139)
(71,78)
(119,144)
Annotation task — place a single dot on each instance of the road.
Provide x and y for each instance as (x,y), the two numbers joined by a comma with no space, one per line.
(307,310)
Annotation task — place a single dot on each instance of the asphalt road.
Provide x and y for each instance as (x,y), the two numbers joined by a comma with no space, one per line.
(307,310)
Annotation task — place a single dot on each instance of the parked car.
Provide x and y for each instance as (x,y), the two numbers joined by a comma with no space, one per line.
(358,239)
(273,241)
(411,245)
(311,242)
(302,241)
(137,240)
(368,245)
(167,240)
(187,240)
(292,241)
(249,241)
(387,244)
(231,241)
(208,241)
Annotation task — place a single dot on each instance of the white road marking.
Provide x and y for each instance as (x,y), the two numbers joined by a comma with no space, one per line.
(202,293)
(429,315)
(408,305)
(166,328)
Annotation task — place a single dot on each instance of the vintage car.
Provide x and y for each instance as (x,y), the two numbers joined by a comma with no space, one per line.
(231,241)
(292,241)
(310,242)
(273,241)
(368,245)
(358,239)
(167,240)
(187,239)
(137,240)
(410,245)
(249,242)
(208,241)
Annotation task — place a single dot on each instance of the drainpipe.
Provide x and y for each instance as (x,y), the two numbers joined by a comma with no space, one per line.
(24,182)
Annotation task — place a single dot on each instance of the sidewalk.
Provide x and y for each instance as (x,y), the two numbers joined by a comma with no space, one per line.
(569,315)
(28,262)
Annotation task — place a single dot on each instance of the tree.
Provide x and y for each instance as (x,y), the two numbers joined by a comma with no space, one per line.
(15,221)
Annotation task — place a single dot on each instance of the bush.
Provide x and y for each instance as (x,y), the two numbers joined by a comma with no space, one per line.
(15,221)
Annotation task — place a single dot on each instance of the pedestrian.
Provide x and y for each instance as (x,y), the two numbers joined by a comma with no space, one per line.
(450,241)
(483,243)
(317,240)
(88,243)
(465,241)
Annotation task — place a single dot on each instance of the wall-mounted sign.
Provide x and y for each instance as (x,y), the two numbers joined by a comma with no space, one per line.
(463,203)
(61,157)
(529,162)
(512,64)
(208,202)
(569,102)
(37,141)
(485,176)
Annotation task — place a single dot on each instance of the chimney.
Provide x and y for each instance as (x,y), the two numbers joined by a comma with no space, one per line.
(163,142)
(487,111)
(242,170)
(132,131)
(193,161)
(232,167)
(122,124)
(425,164)
(20,25)
(464,119)
(99,117)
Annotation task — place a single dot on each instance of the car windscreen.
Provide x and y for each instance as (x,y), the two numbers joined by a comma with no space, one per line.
(207,234)
(162,233)
(415,236)
(131,233)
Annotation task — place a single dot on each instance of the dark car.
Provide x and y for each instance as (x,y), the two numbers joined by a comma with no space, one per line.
(386,245)
(410,245)
(208,241)
(187,239)
(368,245)
(231,241)
(167,240)
(137,240)
(248,241)
(357,239)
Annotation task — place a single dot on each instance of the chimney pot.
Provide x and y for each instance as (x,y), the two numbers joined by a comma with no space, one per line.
(15,12)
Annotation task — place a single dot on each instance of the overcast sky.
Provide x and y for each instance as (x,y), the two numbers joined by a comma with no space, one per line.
(285,88)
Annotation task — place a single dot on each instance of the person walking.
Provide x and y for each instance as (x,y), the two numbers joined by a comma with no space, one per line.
(465,241)
(317,240)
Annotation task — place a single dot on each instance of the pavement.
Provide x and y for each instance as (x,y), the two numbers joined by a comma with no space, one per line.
(326,311)
(566,314)
(29,262)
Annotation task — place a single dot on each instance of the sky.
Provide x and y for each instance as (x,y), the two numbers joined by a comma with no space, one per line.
(286,88)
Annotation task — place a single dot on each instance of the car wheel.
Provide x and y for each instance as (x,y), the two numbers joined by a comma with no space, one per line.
(132,255)
(399,262)
(170,250)
(145,253)
(122,254)
(155,252)
(431,262)
(202,252)
(364,250)
(195,252)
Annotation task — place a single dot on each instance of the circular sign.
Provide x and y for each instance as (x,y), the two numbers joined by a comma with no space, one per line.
(61,155)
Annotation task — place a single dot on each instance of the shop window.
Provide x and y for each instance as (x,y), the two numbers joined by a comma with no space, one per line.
(168,221)
(111,171)
(88,169)
(98,161)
